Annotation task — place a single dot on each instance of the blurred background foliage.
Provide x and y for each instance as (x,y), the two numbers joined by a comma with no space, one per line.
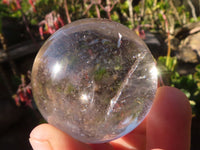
(151,14)
(189,84)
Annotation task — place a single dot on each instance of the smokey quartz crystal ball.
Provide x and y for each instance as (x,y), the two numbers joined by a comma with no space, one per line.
(95,80)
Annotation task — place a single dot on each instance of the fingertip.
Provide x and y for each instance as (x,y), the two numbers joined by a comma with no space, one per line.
(40,144)
(169,121)
(174,96)
(171,103)
(36,132)
(47,137)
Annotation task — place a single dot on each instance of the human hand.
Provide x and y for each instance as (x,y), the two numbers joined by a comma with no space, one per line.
(166,127)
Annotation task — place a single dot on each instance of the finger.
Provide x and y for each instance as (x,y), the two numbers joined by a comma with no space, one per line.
(134,140)
(47,137)
(137,137)
(103,146)
(169,121)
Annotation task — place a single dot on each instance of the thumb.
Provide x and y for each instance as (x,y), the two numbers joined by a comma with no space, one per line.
(47,137)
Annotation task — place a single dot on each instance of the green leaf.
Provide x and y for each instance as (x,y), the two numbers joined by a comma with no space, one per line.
(197,76)
(99,74)
(34,22)
(192,103)
(186,92)
(198,85)
(197,68)
(137,9)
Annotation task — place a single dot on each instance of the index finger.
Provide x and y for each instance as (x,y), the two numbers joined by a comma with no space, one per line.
(169,121)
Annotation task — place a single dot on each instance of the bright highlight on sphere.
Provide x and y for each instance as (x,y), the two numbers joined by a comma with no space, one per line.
(94,79)
(84,98)
(154,72)
(56,69)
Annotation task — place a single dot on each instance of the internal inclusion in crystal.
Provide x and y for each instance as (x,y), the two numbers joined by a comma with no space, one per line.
(94,84)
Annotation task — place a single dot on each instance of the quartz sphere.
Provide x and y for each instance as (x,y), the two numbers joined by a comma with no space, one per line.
(94,79)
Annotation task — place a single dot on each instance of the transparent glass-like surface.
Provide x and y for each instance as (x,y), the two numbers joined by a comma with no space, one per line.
(94,79)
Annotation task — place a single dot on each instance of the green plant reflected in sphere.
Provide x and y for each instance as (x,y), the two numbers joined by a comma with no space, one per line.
(94,79)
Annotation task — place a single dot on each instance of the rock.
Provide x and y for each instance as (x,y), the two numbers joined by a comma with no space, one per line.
(189,49)
(185,43)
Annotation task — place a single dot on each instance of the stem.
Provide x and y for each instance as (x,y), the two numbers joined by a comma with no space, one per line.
(192,9)
(67,11)
(3,41)
(130,8)
(199,5)
(11,62)
(175,11)
(97,10)
(27,27)
(168,49)
(87,9)
(155,3)
(142,8)
(108,9)
(168,38)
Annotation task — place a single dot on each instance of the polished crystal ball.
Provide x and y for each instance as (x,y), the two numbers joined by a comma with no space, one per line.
(95,80)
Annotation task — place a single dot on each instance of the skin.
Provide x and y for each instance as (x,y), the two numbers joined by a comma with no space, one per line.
(166,127)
